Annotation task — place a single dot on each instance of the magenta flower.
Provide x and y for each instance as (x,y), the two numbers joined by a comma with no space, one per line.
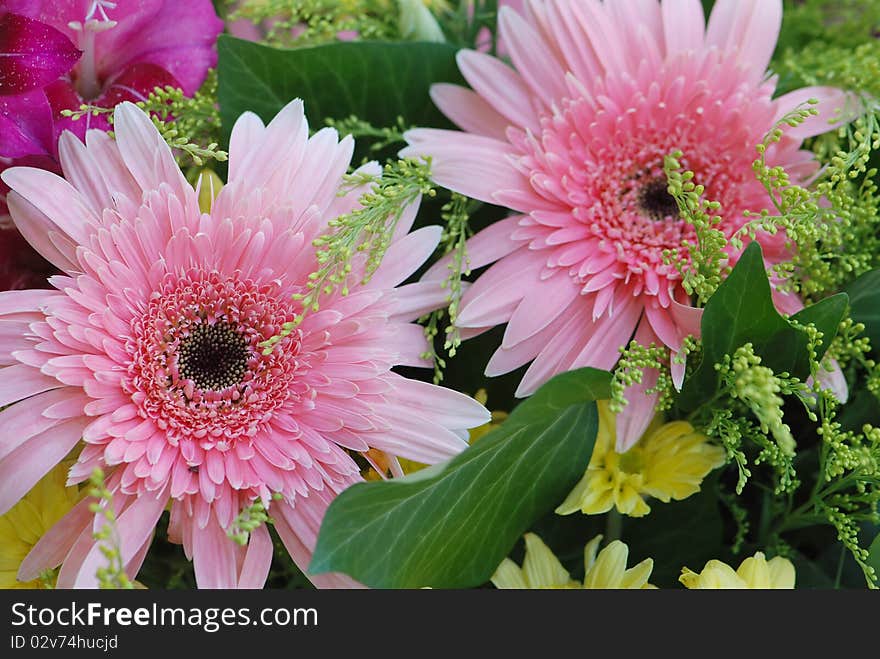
(57,54)
(127,49)
(573,139)
(148,348)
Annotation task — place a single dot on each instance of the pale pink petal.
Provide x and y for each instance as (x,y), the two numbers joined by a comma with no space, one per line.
(406,256)
(25,419)
(445,406)
(834,104)
(545,300)
(749,26)
(534,61)
(146,154)
(413,301)
(257,559)
(471,165)
(500,86)
(19,381)
(214,558)
(684,25)
(835,380)
(495,295)
(489,245)
(247,133)
(468,110)
(302,556)
(634,419)
(19,471)
(51,195)
(54,545)
(134,527)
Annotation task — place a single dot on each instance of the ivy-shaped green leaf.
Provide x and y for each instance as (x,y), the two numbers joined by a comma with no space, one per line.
(741,311)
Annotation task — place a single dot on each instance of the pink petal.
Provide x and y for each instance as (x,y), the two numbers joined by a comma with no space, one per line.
(492,243)
(53,196)
(471,165)
(440,405)
(641,406)
(257,559)
(468,110)
(51,549)
(19,381)
(500,86)
(405,256)
(749,26)
(24,467)
(833,104)
(302,554)
(134,526)
(534,61)
(684,25)
(544,302)
(145,154)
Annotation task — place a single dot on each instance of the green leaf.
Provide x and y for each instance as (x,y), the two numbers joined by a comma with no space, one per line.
(450,526)
(864,300)
(825,315)
(741,311)
(376,81)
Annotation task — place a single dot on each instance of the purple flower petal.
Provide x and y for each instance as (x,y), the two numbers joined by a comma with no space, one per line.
(178,36)
(32,54)
(135,84)
(25,125)
(62,96)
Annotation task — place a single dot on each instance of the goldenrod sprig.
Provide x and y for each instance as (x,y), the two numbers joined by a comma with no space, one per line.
(113,575)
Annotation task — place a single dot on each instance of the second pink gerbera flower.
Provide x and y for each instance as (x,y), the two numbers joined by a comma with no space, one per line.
(149,348)
(573,138)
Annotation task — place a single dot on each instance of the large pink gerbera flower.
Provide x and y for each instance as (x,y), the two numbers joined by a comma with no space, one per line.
(574,138)
(149,349)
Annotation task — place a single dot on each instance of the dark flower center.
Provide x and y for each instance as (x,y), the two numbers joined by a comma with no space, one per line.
(656,202)
(213,356)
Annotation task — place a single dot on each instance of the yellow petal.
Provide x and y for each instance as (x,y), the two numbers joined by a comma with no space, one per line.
(637,576)
(782,574)
(540,567)
(509,575)
(590,551)
(754,571)
(607,571)
(715,575)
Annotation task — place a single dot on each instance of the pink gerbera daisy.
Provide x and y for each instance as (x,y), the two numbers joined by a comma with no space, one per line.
(573,138)
(149,348)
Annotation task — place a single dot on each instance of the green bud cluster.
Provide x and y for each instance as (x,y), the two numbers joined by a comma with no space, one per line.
(247,521)
(113,574)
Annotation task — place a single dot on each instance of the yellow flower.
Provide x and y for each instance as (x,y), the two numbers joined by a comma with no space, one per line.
(542,570)
(754,572)
(28,520)
(668,462)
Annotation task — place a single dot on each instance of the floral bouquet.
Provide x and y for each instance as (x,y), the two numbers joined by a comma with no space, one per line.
(440,293)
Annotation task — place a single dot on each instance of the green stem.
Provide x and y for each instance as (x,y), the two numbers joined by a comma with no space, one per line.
(613,526)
